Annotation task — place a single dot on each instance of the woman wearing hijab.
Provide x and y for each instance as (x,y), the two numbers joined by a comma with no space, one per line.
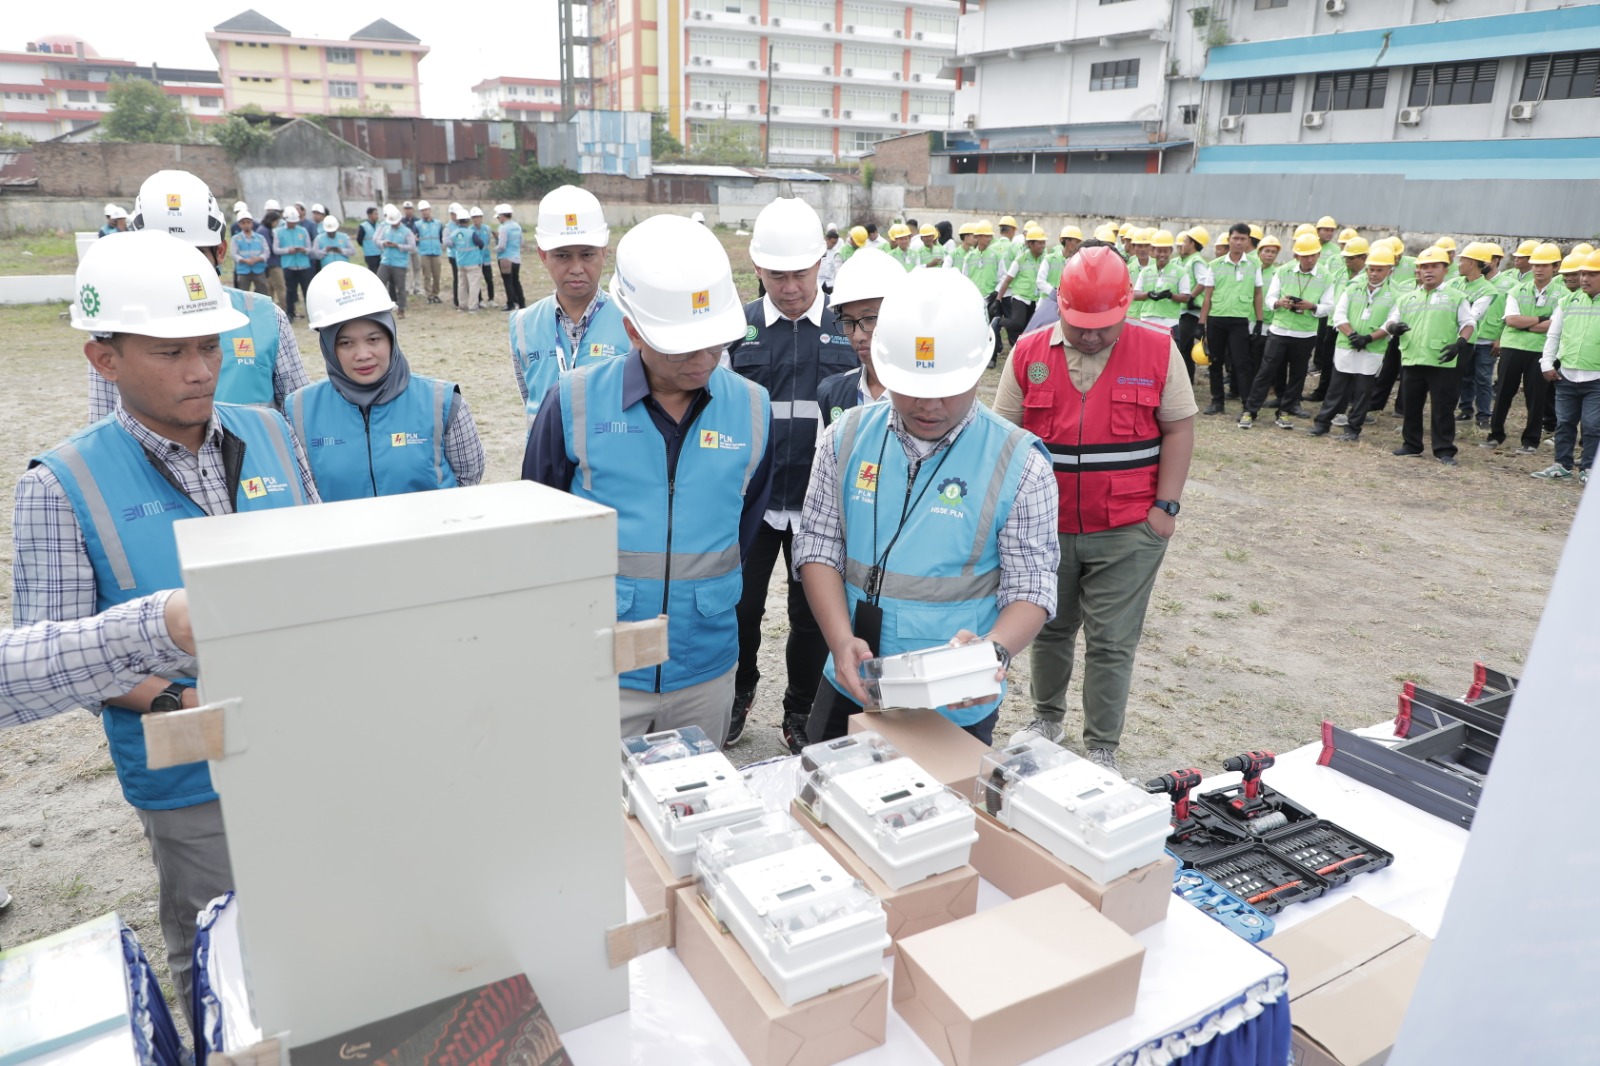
(373,428)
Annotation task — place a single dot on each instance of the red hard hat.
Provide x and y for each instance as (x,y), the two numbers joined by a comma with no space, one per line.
(1095,289)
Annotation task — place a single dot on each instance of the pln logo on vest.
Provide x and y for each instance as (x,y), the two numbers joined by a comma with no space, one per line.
(244,351)
(700,302)
(401,440)
(710,438)
(867,477)
(254,487)
(924,353)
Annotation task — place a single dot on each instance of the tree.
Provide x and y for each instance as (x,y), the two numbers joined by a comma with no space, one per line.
(664,147)
(728,143)
(530,181)
(240,137)
(10,139)
(140,111)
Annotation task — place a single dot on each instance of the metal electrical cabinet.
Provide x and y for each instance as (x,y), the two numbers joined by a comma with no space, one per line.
(420,780)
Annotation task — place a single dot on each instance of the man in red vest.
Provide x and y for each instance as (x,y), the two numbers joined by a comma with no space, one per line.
(1112,402)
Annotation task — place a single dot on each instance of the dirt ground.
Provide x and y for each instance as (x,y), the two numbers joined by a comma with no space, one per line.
(1307,580)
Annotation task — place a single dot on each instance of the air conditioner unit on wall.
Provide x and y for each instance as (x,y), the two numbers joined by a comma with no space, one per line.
(899,33)
(1411,116)
(774,109)
(1524,112)
(849,72)
(917,35)
(916,77)
(844,114)
(1229,123)
(1333,7)
(775,22)
(897,75)
(849,29)
(1312,120)
(755,20)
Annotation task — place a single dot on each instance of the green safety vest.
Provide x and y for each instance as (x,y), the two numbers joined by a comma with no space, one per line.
(1580,333)
(1025,286)
(1528,303)
(983,266)
(1493,322)
(1189,264)
(1571,293)
(1331,254)
(1140,308)
(904,256)
(1404,274)
(1056,261)
(1432,318)
(1366,310)
(849,250)
(1233,290)
(1508,280)
(958,257)
(1296,285)
(1155,278)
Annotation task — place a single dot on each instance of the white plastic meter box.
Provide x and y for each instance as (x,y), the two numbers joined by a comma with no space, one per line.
(1081,813)
(903,823)
(679,784)
(804,921)
(933,677)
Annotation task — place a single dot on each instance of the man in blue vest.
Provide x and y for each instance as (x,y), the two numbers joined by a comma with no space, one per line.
(367,237)
(928,519)
(577,324)
(508,253)
(791,342)
(94,516)
(678,445)
(430,249)
(261,363)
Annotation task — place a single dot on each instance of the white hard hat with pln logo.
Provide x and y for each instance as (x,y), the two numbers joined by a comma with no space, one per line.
(868,274)
(568,216)
(674,283)
(330,224)
(151,284)
(933,340)
(178,202)
(787,236)
(344,291)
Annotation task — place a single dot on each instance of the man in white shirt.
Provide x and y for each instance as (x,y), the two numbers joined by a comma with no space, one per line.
(1571,359)
(1299,299)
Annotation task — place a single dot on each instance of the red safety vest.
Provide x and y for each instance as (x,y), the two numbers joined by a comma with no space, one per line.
(1106,445)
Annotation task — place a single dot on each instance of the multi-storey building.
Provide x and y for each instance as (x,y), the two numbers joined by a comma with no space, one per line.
(264,64)
(525,99)
(809,80)
(60,84)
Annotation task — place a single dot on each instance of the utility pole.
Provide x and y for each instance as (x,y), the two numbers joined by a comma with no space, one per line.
(766,147)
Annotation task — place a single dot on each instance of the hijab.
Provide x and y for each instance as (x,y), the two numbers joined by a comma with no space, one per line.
(391,385)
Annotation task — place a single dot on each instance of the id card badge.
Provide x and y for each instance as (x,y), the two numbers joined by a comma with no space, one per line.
(868,624)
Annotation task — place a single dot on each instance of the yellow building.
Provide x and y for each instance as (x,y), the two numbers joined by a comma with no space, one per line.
(264,64)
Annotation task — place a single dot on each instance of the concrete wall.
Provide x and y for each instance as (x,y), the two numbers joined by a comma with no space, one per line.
(36,289)
(31,214)
(114,172)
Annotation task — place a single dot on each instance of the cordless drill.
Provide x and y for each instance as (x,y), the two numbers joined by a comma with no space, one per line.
(1249,804)
(1177,785)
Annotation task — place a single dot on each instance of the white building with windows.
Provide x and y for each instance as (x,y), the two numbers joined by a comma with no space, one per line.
(525,99)
(818,79)
(60,84)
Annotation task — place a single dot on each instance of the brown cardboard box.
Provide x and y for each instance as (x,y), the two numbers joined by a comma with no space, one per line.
(814,1032)
(949,753)
(650,876)
(1019,867)
(1352,970)
(1015,981)
(928,903)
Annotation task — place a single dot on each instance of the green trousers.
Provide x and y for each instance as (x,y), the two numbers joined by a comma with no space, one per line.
(1104,587)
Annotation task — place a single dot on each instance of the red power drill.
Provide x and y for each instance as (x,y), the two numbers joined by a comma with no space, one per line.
(1177,785)
(1249,803)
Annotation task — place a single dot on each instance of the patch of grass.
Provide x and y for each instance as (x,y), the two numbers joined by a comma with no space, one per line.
(1406,676)
(1223,616)
(46,253)
(73,887)
(1256,608)
(1222,597)
(1236,555)
(1170,606)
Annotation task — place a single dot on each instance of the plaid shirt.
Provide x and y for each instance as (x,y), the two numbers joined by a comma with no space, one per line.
(1030,550)
(288,374)
(52,667)
(463,448)
(52,578)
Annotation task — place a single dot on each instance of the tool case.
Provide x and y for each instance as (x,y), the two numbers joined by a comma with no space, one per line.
(1328,850)
(1262,878)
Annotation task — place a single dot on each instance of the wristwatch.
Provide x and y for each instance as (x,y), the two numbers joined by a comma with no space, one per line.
(168,699)
(1172,507)
(1003,653)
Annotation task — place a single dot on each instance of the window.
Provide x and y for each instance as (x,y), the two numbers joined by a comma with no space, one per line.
(857,57)
(394,51)
(1118,74)
(377,51)
(1266,5)
(511,90)
(800,10)
(853,99)
(1103,3)
(934,22)
(1453,83)
(102,98)
(811,53)
(802,138)
(1573,76)
(931,105)
(341,55)
(793,94)
(883,18)
(342,90)
(1350,90)
(77,96)
(209,101)
(1189,113)
(722,47)
(1261,96)
(863,140)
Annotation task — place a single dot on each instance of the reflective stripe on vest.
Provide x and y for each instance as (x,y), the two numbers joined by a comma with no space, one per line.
(1233,290)
(1433,321)
(1531,301)
(355,458)
(542,350)
(1579,348)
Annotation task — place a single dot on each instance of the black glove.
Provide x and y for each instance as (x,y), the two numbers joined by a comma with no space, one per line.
(1359,341)
(1400,329)
(1452,352)
(992,305)
(1194,303)
(1164,294)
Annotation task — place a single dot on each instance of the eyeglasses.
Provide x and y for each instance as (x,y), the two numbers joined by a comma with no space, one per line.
(868,323)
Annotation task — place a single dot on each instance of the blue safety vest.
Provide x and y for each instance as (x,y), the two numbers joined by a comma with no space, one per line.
(368,233)
(252,245)
(677,542)
(449,239)
(336,247)
(944,571)
(125,509)
(287,238)
(542,349)
(428,234)
(384,450)
(249,353)
(467,251)
(512,231)
(394,257)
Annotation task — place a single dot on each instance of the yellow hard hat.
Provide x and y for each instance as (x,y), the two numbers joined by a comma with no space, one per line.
(1545,253)
(1346,234)
(1143,235)
(982,228)
(1398,246)
(1071,231)
(1304,228)
(1162,238)
(1125,229)
(1007,220)
(1495,250)
(1106,232)
(928,231)
(1307,244)
(1591,262)
(1032,223)
(1572,263)
(1447,243)
(1222,239)
(1583,247)
(1269,241)
(1525,249)
(1198,356)
(858,236)
(1256,232)
(1380,256)
(964,229)
(1034,233)
(1356,246)
(1435,254)
(1327,222)
(898,230)
(1479,251)
(1200,235)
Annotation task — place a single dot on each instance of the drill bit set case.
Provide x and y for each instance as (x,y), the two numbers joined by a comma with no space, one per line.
(891,812)
(678,784)
(1080,812)
(933,677)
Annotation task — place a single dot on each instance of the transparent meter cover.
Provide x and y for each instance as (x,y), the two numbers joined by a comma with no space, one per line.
(810,910)
(895,821)
(663,747)
(825,760)
(901,680)
(1001,769)
(728,846)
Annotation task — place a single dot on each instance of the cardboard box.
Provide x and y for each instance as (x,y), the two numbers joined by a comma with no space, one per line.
(1352,970)
(650,876)
(814,1032)
(1016,981)
(928,903)
(1019,867)
(949,753)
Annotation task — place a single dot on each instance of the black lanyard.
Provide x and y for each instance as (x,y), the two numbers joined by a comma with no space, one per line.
(874,588)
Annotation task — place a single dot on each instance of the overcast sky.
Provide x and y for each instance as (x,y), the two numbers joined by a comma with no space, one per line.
(487,40)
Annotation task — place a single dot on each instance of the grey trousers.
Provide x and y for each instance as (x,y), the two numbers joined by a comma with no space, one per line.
(192,869)
(707,705)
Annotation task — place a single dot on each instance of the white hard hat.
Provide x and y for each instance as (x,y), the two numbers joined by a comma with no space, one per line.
(330,225)
(343,291)
(318,209)
(698,217)
(111,210)
(674,283)
(867,274)
(291,215)
(239,205)
(456,207)
(177,202)
(502,209)
(570,215)
(476,212)
(389,207)
(933,338)
(391,214)
(408,203)
(272,205)
(152,284)
(423,205)
(787,236)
